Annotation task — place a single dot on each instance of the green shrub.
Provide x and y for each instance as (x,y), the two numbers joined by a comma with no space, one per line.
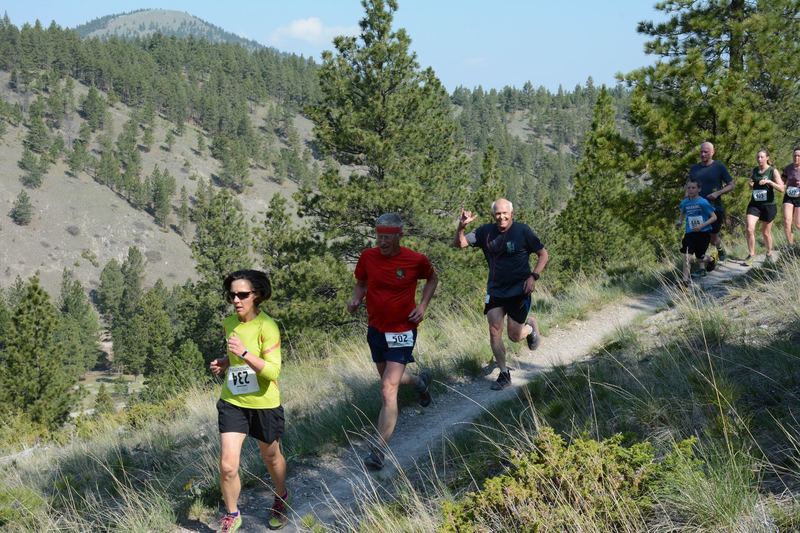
(18,505)
(557,486)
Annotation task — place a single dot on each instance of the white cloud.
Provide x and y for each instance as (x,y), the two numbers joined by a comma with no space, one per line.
(311,30)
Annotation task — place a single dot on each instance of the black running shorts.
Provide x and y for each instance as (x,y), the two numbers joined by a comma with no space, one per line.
(764,212)
(265,425)
(696,243)
(516,307)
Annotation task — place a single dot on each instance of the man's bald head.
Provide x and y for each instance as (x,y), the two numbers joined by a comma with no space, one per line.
(706,152)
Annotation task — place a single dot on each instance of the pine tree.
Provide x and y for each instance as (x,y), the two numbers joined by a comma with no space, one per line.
(176,372)
(33,374)
(183,212)
(380,111)
(201,143)
(22,210)
(170,139)
(724,75)
(103,403)
(75,308)
(592,234)
(109,294)
(78,157)
(221,242)
(94,109)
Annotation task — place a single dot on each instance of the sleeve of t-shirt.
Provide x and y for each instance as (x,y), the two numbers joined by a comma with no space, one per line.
(270,340)
(724,174)
(682,207)
(475,238)
(424,267)
(361,269)
(532,241)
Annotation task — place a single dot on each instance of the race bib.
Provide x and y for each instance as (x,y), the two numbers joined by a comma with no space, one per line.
(401,339)
(694,221)
(760,195)
(242,380)
(793,192)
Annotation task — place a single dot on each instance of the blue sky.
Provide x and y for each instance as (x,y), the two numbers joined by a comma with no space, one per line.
(467,42)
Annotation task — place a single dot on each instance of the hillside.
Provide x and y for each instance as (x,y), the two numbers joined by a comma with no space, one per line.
(145,22)
(81,224)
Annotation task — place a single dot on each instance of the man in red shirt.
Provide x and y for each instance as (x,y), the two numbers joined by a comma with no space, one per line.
(387,275)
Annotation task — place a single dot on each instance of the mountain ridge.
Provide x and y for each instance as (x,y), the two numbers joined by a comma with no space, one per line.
(144,22)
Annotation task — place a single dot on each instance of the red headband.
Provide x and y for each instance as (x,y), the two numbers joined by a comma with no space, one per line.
(388,229)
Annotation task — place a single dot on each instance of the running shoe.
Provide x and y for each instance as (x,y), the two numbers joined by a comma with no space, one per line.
(503,381)
(278,515)
(230,523)
(711,265)
(422,387)
(714,254)
(768,258)
(374,460)
(533,338)
(748,261)
(722,254)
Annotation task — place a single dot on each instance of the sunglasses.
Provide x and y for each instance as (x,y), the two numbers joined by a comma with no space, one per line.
(242,295)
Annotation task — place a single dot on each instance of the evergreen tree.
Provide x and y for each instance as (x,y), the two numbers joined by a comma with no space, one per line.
(201,143)
(145,340)
(94,109)
(22,210)
(78,157)
(109,293)
(380,111)
(33,375)
(148,139)
(592,234)
(170,139)
(221,242)
(175,373)
(76,309)
(103,403)
(183,212)
(724,75)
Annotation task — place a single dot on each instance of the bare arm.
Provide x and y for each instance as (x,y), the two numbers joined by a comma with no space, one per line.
(359,291)
(460,240)
(418,313)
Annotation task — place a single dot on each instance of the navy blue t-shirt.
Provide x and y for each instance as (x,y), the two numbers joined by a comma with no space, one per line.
(711,178)
(507,254)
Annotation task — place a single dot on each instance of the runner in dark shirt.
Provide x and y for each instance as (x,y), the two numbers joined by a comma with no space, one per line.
(791,199)
(714,180)
(506,246)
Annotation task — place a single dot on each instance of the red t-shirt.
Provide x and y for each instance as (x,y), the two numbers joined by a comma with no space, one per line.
(391,286)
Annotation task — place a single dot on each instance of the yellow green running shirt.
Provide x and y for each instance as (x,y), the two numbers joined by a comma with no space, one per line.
(243,387)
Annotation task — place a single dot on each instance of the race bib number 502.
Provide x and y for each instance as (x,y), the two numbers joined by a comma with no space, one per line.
(400,339)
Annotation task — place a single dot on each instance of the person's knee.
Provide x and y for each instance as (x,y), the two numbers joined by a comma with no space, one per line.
(389,393)
(229,467)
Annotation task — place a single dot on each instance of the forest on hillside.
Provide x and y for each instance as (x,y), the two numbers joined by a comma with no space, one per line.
(597,171)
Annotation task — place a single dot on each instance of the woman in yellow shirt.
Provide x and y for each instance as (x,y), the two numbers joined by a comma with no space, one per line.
(250,402)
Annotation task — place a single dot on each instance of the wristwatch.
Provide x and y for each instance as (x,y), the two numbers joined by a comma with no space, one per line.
(535,276)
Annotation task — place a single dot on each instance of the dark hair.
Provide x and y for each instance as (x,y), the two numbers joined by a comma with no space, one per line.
(259,280)
(692,179)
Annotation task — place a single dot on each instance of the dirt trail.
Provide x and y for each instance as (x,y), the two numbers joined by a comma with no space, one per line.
(324,486)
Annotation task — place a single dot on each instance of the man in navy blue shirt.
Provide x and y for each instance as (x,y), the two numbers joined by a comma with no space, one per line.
(507,246)
(714,180)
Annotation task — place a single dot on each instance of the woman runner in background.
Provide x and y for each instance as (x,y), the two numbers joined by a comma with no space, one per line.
(763,182)
(791,199)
